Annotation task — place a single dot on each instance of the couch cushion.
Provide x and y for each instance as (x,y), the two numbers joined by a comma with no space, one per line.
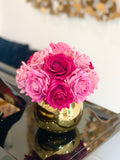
(13,53)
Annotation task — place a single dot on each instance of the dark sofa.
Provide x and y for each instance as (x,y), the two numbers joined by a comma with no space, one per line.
(13,53)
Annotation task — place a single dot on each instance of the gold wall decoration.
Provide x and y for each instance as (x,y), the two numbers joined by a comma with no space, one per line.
(100,9)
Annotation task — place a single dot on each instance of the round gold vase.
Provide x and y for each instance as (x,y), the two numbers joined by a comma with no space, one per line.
(57,121)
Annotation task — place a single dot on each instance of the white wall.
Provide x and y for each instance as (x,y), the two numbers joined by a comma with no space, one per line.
(99,40)
(1,16)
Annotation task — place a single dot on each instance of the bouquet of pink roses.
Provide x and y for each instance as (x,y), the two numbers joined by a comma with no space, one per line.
(58,75)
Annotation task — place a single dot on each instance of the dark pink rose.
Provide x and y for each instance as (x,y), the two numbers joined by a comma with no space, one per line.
(59,95)
(91,66)
(36,85)
(80,85)
(58,65)
(60,47)
(29,60)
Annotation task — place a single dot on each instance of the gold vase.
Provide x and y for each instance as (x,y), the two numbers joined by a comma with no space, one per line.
(56,121)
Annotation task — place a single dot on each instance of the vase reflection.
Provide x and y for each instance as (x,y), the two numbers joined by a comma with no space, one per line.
(48,144)
(52,146)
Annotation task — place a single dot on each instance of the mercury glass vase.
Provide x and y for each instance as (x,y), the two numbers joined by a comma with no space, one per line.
(56,121)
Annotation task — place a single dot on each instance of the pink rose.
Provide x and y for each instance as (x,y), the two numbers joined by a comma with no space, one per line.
(80,85)
(37,59)
(59,95)
(36,85)
(60,47)
(83,61)
(94,79)
(21,77)
(58,65)
(72,53)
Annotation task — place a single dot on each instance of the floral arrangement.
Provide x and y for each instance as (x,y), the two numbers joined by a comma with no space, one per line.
(58,75)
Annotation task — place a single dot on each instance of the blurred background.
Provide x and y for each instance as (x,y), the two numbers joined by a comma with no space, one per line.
(24,29)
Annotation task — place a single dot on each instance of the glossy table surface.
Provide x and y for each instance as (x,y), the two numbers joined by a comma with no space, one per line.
(95,128)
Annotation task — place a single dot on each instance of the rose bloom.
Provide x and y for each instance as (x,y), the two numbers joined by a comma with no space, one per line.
(83,61)
(60,47)
(37,59)
(58,65)
(73,53)
(21,77)
(80,85)
(36,85)
(59,95)
(94,80)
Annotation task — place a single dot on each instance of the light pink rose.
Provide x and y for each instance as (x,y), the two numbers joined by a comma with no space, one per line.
(80,85)
(72,53)
(37,59)
(21,77)
(59,94)
(60,47)
(58,65)
(94,80)
(36,85)
(83,61)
